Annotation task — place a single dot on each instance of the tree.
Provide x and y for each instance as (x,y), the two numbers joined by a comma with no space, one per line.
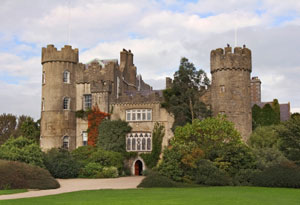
(23,150)
(30,129)
(8,124)
(289,139)
(276,108)
(264,137)
(183,98)
(112,135)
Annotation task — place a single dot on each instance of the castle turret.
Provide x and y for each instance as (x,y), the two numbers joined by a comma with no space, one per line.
(58,122)
(230,89)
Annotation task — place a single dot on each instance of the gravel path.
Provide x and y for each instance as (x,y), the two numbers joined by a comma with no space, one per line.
(71,185)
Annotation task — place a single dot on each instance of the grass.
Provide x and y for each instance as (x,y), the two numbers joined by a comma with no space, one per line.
(13,191)
(203,195)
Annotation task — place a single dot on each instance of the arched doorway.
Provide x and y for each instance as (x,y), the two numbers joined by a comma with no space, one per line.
(138,168)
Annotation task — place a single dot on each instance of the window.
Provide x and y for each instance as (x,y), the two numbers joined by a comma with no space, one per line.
(87,102)
(139,142)
(66,77)
(65,142)
(139,115)
(43,104)
(84,138)
(43,78)
(222,88)
(66,103)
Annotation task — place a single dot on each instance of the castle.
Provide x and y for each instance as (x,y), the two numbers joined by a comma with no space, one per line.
(69,86)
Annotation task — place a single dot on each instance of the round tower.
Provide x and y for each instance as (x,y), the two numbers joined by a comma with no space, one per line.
(230,88)
(58,122)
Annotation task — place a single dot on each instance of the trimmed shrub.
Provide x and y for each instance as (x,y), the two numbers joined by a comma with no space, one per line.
(18,175)
(95,170)
(91,170)
(154,179)
(61,164)
(282,175)
(22,149)
(108,159)
(208,174)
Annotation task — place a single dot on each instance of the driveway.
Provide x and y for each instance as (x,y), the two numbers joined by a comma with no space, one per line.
(71,185)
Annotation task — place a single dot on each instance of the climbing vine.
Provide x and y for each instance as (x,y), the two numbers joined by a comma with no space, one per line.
(95,117)
(152,158)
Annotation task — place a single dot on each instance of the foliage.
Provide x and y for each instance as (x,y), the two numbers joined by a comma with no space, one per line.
(30,129)
(282,175)
(112,135)
(268,157)
(154,179)
(264,137)
(210,134)
(22,149)
(82,154)
(95,116)
(268,115)
(61,164)
(208,174)
(95,170)
(244,177)
(235,157)
(108,159)
(8,124)
(17,175)
(183,98)
(171,164)
(289,136)
(157,137)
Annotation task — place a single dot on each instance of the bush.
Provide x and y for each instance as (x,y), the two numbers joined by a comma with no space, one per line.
(61,164)
(23,150)
(282,175)
(108,159)
(245,177)
(82,155)
(154,179)
(208,174)
(268,157)
(95,170)
(18,175)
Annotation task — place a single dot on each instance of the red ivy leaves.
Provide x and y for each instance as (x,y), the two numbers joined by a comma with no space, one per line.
(95,117)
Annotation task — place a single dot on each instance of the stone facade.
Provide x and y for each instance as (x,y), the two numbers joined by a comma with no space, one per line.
(255,90)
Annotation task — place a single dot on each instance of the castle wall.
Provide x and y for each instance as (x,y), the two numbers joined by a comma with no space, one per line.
(230,88)
(57,122)
(159,115)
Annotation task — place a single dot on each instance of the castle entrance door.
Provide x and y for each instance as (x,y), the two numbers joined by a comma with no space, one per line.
(138,168)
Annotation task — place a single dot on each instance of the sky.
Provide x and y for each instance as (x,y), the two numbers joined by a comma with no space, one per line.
(159,33)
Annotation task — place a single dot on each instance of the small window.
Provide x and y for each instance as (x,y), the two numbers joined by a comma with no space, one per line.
(143,144)
(149,113)
(138,144)
(65,142)
(222,88)
(128,115)
(149,144)
(84,138)
(138,115)
(66,77)
(43,104)
(128,144)
(87,102)
(66,103)
(43,78)
(222,112)
(133,144)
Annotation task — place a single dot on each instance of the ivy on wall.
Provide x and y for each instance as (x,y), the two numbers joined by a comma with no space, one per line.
(95,117)
(152,158)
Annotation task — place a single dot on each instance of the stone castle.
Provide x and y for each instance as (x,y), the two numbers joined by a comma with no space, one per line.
(69,86)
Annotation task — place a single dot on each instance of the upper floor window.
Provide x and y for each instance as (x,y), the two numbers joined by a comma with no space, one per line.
(65,144)
(66,77)
(139,142)
(222,88)
(87,102)
(84,138)
(139,115)
(66,103)
(43,104)
(43,78)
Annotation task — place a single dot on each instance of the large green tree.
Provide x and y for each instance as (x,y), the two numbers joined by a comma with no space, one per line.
(183,98)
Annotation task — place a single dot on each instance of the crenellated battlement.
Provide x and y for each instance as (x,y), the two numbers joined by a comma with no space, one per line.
(224,59)
(66,54)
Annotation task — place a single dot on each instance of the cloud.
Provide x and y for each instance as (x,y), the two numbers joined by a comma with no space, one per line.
(159,33)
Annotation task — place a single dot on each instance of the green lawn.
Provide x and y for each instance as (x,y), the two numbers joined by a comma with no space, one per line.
(203,195)
(14,191)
